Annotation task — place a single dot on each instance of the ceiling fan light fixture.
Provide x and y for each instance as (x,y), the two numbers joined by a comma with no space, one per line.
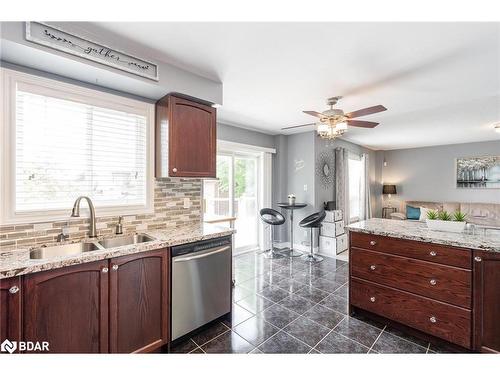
(341,126)
(322,127)
(328,131)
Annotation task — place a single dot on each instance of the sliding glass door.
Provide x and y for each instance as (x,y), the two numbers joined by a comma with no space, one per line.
(235,193)
(246,201)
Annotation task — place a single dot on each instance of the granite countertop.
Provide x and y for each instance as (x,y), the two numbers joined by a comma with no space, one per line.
(418,231)
(17,262)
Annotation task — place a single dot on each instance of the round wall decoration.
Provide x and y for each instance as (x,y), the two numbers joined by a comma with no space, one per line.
(325,169)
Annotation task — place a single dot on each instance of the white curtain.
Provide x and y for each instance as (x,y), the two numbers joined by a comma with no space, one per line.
(342,182)
(366,207)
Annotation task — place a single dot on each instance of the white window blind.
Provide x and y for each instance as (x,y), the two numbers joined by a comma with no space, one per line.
(65,148)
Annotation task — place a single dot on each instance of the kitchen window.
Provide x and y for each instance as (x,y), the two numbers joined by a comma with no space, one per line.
(62,141)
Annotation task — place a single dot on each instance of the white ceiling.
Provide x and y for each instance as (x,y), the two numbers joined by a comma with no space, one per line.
(439,81)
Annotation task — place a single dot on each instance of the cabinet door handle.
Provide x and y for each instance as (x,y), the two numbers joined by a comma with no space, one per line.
(115,267)
(373,243)
(477,259)
(433,319)
(14,289)
(433,253)
(373,267)
(372,299)
(174,170)
(105,270)
(433,282)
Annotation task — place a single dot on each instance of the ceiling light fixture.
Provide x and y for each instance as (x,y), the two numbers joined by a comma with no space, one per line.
(497,128)
(331,128)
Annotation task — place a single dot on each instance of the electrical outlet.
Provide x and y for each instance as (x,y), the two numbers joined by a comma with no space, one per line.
(305,187)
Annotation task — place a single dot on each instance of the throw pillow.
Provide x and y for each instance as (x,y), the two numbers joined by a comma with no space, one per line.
(412,213)
(423,213)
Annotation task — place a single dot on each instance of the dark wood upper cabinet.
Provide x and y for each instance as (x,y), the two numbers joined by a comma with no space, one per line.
(68,308)
(138,291)
(486,300)
(10,309)
(186,139)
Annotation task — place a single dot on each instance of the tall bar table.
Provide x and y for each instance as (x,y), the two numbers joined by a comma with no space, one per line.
(290,252)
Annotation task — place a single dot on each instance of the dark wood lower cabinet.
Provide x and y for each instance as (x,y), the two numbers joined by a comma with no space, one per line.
(486,300)
(68,308)
(118,306)
(10,309)
(138,292)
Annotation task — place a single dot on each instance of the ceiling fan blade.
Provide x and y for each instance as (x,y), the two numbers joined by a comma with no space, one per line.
(314,113)
(297,126)
(366,111)
(362,124)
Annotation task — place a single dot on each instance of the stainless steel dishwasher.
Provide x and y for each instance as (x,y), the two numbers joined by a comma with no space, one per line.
(201,284)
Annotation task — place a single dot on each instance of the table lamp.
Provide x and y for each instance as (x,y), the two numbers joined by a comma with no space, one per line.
(389,190)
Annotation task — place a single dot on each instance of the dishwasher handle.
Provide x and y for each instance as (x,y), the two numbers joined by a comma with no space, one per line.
(204,255)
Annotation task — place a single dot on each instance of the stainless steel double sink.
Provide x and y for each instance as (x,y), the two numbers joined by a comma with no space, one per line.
(83,247)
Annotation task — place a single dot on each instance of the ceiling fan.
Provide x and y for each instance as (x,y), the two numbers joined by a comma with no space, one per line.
(334,122)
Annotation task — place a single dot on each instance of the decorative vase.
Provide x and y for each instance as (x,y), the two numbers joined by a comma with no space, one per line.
(291,199)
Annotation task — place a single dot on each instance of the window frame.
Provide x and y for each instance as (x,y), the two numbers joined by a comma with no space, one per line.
(45,86)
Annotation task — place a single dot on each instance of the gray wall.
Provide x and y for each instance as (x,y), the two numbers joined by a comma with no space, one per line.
(305,148)
(17,50)
(428,173)
(300,172)
(250,137)
(280,178)
(325,194)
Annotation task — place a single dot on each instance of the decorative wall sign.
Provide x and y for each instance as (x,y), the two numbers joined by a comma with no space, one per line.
(479,172)
(60,40)
(299,164)
(325,169)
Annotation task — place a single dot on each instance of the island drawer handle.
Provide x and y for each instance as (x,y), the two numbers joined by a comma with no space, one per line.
(373,267)
(477,259)
(372,299)
(433,253)
(373,243)
(105,270)
(14,289)
(433,319)
(433,282)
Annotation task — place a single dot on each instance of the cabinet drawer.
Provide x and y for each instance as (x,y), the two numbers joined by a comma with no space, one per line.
(452,256)
(444,283)
(436,318)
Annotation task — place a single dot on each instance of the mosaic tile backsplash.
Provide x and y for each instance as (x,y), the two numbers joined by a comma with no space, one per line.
(169,211)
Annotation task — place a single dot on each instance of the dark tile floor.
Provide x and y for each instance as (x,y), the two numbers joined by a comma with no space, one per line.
(288,306)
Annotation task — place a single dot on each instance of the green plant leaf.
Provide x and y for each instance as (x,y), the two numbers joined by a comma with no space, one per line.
(432,215)
(444,215)
(459,216)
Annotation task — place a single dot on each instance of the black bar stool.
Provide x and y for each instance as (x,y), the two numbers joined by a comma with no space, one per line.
(312,221)
(273,218)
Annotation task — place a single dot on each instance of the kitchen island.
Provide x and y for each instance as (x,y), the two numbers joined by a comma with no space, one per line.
(441,284)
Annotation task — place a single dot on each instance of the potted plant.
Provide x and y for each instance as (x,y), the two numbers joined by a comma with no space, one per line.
(446,222)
